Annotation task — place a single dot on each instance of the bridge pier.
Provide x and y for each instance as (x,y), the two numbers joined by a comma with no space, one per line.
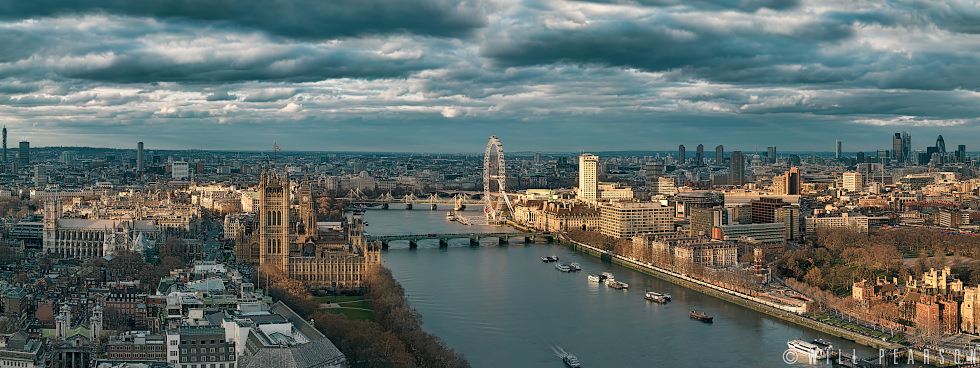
(408,206)
(550,239)
(384,245)
(475,242)
(413,244)
(384,206)
(433,207)
(527,239)
(443,243)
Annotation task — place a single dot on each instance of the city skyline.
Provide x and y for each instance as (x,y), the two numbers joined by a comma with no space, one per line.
(438,77)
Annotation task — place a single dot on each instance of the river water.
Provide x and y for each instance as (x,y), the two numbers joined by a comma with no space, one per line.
(500,306)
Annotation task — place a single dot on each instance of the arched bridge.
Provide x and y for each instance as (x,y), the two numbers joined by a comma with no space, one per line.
(474,238)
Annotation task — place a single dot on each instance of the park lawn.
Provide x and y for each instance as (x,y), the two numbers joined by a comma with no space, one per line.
(337,299)
(357,304)
(354,314)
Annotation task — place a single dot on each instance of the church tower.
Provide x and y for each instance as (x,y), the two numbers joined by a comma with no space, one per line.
(307,211)
(52,211)
(274,220)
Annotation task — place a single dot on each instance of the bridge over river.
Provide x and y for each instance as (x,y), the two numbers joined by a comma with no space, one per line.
(474,238)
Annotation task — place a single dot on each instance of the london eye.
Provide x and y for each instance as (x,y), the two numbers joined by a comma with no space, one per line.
(495,182)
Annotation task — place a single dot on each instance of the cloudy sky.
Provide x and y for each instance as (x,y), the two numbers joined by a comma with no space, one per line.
(443,75)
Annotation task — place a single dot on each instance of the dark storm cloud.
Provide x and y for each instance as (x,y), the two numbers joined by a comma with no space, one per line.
(743,5)
(127,50)
(727,50)
(737,72)
(221,96)
(316,19)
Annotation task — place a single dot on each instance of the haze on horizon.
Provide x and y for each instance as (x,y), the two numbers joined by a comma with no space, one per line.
(442,76)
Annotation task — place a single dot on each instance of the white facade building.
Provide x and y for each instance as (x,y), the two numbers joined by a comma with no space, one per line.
(588,185)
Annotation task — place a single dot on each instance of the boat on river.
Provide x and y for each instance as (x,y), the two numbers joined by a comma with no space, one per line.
(575,266)
(571,361)
(450,216)
(811,351)
(597,278)
(701,316)
(654,296)
(563,267)
(547,259)
(616,284)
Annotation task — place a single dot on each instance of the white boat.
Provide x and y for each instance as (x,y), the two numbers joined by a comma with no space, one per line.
(563,267)
(596,278)
(609,276)
(811,351)
(450,216)
(571,361)
(656,297)
(575,266)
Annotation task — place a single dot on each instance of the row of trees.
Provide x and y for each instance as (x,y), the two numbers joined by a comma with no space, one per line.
(396,339)
(393,313)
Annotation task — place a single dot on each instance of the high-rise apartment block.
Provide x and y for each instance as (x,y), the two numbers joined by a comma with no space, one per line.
(588,169)
(838,155)
(681,155)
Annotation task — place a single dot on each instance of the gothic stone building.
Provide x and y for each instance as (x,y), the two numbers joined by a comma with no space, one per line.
(291,239)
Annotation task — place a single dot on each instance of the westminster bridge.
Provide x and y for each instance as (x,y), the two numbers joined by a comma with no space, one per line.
(474,238)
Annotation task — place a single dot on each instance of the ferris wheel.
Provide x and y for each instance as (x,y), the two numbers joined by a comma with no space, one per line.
(495,182)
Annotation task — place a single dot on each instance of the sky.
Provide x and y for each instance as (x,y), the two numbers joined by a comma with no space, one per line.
(444,75)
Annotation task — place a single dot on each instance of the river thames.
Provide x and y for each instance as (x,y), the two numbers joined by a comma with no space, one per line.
(500,306)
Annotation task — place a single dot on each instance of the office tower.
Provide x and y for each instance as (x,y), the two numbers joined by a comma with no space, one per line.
(68,158)
(681,157)
(906,147)
(4,144)
(883,156)
(25,153)
(764,210)
(941,145)
(180,170)
(654,171)
(736,168)
(139,157)
(961,153)
(588,167)
(699,156)
(853,182)
(897,149)
(40,175)
(720,155)
(838,156)
(771,154)
(793,181)
(537,157)
(860,157)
